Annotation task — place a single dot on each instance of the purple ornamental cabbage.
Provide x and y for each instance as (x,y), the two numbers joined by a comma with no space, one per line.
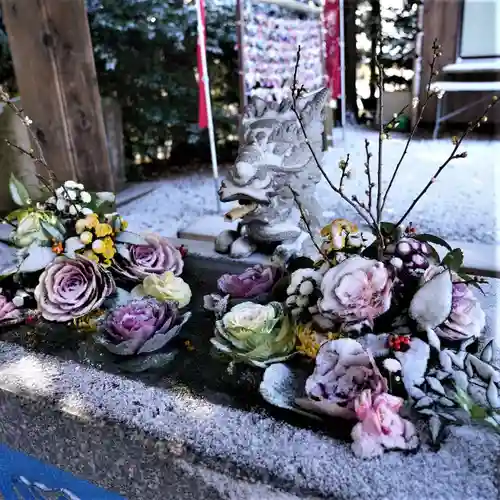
(142,326)
(253,282)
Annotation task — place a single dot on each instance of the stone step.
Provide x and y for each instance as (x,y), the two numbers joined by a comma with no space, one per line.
(479,258)
(206,228)
(134,191)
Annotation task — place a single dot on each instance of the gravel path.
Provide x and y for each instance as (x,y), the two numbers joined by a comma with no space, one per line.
(461,205)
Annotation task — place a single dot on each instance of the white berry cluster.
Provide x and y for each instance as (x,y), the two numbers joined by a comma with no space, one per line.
(71,198)
(302,285)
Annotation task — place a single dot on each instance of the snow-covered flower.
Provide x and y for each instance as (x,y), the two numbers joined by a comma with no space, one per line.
(164,287)
(381,427)
(357,289)
(303,283)
(343,370)
(256,334)
(445,307)
(253,282)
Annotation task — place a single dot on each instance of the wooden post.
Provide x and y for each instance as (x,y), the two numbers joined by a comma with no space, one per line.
(55,71)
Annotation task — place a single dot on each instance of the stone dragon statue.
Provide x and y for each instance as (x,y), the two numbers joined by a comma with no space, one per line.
(274,169)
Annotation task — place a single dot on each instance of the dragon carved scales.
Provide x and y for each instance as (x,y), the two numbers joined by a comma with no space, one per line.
(274,162)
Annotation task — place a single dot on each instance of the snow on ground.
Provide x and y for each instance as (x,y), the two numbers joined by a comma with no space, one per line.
(463,204)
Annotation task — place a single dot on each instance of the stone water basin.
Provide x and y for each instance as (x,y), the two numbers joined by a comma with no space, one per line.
(193,428)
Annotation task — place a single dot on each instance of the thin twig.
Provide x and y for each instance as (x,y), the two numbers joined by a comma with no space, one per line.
(344,165)
(429,95)
(371,185)
(451,157)
(303,216)
(4,97)
(296,92)
(40,158)
(380,137)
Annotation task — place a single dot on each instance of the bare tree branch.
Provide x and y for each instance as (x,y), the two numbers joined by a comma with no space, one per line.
(304,218)
(451,157)
(436,53)
(295,94)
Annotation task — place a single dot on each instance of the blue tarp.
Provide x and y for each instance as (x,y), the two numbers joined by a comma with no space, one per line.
(25,478)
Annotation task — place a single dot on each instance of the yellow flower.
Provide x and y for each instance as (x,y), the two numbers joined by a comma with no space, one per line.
(164,287)
(310,341)
(109,248)
(124,225)
(89,254)
(80,226)
(103,229)
(91,221)
(90,322)
(337,232)
(98,246)
(106,263)
(86,237)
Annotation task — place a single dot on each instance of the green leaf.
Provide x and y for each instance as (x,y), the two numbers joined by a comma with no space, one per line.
(130,238)
(471,281)
(18,192)
(430,238)
(388,228)
(478,413)
(51,232)
(140,363)
(37,259)
(18,214)
(453,260)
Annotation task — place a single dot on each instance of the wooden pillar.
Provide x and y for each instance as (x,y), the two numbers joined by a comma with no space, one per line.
(442,22)
(55,72)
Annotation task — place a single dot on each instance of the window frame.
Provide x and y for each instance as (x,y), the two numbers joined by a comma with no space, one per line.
(459,56)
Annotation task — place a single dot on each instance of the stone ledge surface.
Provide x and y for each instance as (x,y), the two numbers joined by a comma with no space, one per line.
(233,441)
(479,258)
(252,446)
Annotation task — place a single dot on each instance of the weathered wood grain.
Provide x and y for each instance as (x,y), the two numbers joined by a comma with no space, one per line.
(55,71)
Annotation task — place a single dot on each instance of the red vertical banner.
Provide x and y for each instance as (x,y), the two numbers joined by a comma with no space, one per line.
(202,101)
(331,16)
